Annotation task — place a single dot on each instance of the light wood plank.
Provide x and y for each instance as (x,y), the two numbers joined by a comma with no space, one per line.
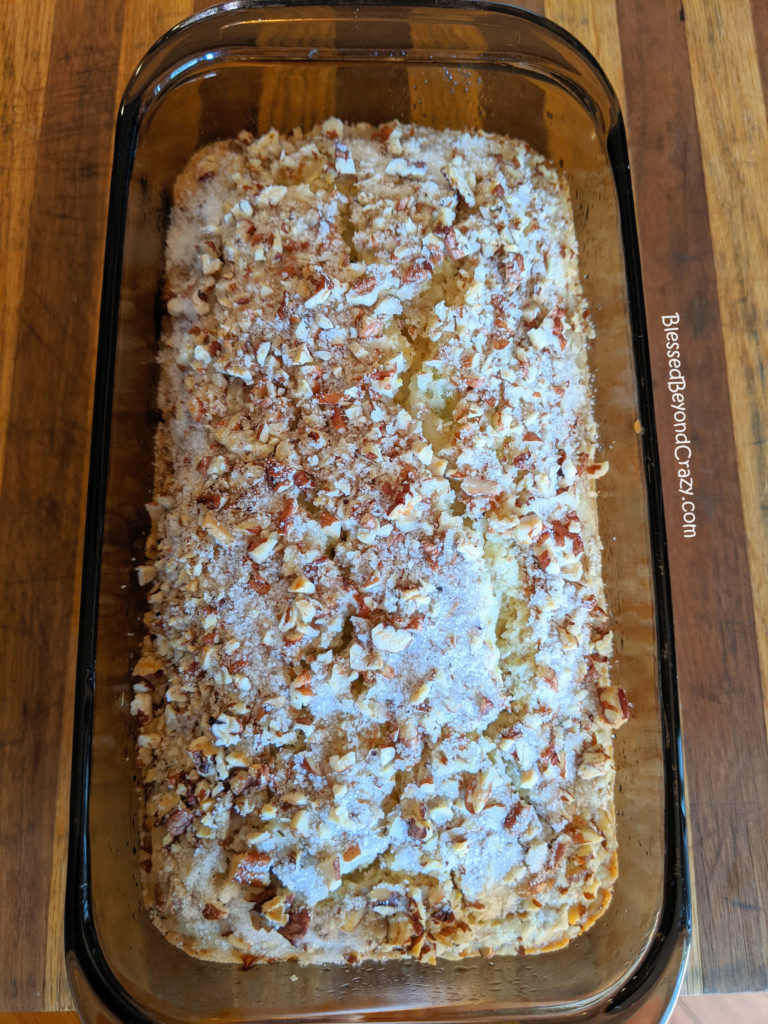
(595,25)
(140,32)
(750,1008)
(693,982)
(44,475)
(734,141)
(137,36)
(25,45)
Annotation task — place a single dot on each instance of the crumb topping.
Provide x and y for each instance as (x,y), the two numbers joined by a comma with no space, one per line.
(375,712)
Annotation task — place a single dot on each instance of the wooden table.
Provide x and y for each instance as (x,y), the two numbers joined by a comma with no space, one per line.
(692,82)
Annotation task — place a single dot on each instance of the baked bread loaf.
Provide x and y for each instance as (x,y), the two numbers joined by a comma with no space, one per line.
(375,717)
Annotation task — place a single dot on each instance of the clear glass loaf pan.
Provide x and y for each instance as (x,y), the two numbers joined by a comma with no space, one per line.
(450,64)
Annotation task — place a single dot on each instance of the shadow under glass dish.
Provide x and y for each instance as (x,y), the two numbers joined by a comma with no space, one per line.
(447,67)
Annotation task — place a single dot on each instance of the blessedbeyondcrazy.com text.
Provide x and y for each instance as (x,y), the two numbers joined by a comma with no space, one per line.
(683,450)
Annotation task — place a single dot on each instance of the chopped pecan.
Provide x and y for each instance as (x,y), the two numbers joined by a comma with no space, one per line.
(370,327)
(419,270)
(624,703)
(511,819)
(255,777)
(560,532)
(321,287)
(212,500)
(213,913)
(543,558)
(259,896)
(452,245)
(297,926)
(338,419)
(382,134)
(364,285)
(287,515)
(443,914)
(513,268)
(549,755)
(250,867)
(431,554)
(259,584)
(178,822)
(278,475)
(415,830)
(557,325)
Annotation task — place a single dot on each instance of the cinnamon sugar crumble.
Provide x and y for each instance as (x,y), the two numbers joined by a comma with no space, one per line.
(374,706)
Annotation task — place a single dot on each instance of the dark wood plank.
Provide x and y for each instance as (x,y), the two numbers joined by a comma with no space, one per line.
(734,140)
(44,472)
(723,725)
(39,1018)
(760,27)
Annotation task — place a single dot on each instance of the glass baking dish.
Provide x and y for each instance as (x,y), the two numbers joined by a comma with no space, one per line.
(451,64)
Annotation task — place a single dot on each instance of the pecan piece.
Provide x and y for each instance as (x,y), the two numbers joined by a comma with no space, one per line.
(511,819)
(250,867)
(212,500)
(258,897)
(513,268)
(419,270)
(452,245)
(624,703)
(416,831)
(330,397)
(178,822)
(382,134)
(364,285)
(259,585)
(297,926)
(278,475)
(257,776)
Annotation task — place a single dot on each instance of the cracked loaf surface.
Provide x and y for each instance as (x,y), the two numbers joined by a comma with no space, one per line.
(375,714)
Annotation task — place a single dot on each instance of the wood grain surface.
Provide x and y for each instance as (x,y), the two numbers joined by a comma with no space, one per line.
(692,81)
(749,1008)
